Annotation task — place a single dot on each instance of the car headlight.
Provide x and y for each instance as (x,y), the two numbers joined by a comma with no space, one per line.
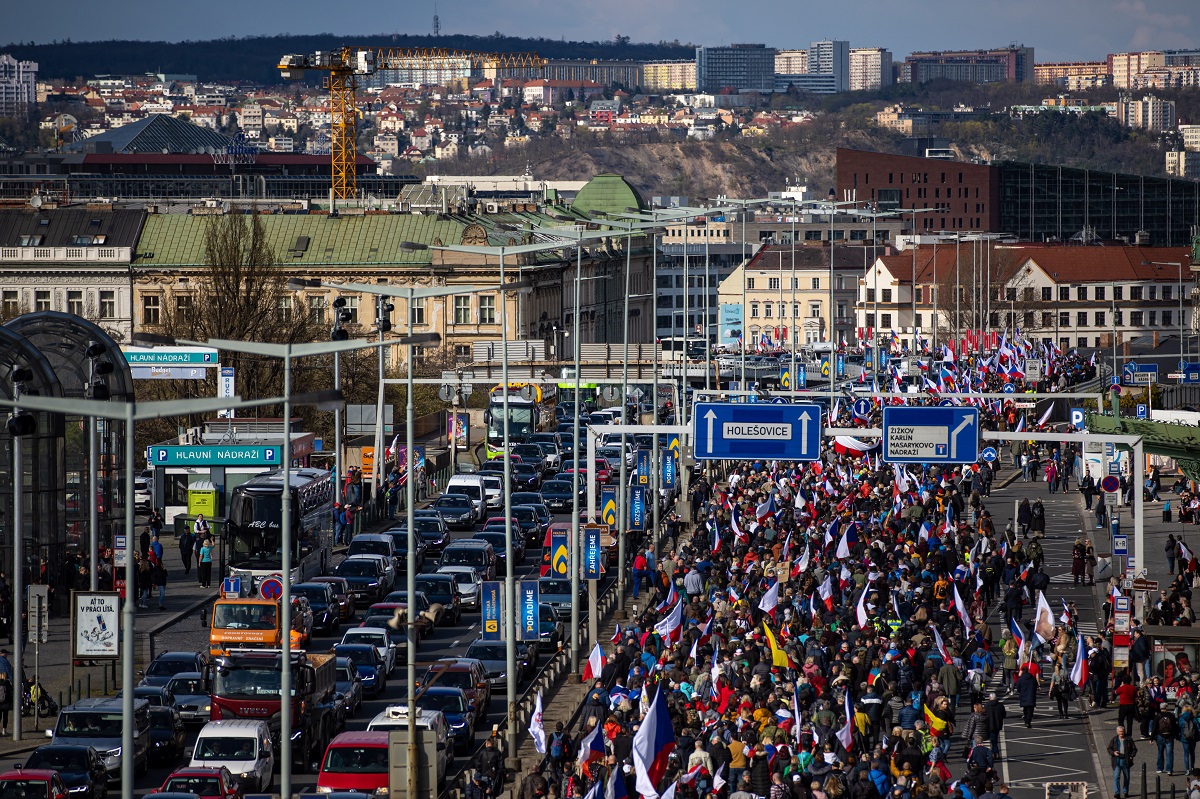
(79,788)
(247,775)
(113,752)
(324,789)
(458,726)
(382,791)
(206,709)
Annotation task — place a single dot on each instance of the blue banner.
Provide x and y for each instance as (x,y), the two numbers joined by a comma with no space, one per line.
(801,376)
(530,620)
(637,508)
(841,365)
(643,467)
(670,475)
(591,552)
(491,610)
(560,557)
(608,505)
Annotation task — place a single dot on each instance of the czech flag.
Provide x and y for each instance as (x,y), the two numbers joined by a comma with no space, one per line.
(591,748)
(672,598)
(652,746)
(616,786)
(670,628)
(1017,633)
(595,663)
(770,601)
(1079,672)
(825,589)
(616,637)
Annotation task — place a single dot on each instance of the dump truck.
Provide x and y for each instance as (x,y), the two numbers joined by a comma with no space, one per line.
(245,685)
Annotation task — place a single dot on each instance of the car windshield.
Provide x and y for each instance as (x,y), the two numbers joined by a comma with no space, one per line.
(554,587)
(57,759)
(486,651)
(495,539)
(453,503)
(464,556)
(360,547)
(445,702)
(169,667)
(359,657)
(452,679)
(462,579)
(427,525)
(162,718)
(349,759)
(357,568)
(226,749)
(345,674)
(316,596)
(235,616)
(186,686)
(84,724)
(204,786)
(23,789)
(437,590)
(362,637)
(556,487)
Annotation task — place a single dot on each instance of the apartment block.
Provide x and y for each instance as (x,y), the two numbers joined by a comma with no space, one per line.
(18,86)
(1060,73)
(1191,137)
(791,62)
(1014,64)
(1124,67)
(1183,164)
(831,57)
(665,76)
(741,67)
(870,69)
(1149,113)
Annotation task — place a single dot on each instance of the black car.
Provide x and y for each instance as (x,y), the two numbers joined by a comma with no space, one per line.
(323,602)
(458,511)
(558,494)
(441,588)
(531,454)
(168,664)
(526,476)
(81,768)
(400,542)
(523,498)
(530,524)
(496,539)
(167,735)
(366,577)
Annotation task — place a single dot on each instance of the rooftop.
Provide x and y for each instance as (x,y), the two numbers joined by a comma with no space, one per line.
(157,133)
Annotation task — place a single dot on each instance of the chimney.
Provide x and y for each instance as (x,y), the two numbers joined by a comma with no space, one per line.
(1155,339)
(1125,348)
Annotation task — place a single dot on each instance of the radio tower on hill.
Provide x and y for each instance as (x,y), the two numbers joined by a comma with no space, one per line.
(437,23)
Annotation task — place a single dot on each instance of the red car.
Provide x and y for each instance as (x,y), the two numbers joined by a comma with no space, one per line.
(33,783)
(207,783)
(604,472)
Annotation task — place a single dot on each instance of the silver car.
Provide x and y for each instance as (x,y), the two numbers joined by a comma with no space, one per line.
(191,701)
(468,583)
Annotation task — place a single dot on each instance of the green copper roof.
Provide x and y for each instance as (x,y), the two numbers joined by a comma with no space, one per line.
(178,239)
(607,194)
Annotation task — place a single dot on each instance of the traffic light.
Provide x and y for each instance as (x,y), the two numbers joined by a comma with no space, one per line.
(21,424)
(385,315)
(340,315)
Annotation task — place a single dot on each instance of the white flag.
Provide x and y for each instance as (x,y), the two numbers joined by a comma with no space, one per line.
(536,730)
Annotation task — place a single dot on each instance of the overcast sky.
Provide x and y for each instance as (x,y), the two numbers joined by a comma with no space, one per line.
(1058,29)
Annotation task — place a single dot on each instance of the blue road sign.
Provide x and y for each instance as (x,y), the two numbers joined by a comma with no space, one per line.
(1120,545)
(862,408)
(946,403)
(491,610)
(608,505)
(1143,412)
(801,376)
(840,365)
(591,553)
(752,397)
(1191,372)
(1077,418)
(785,377)
(1139,374)
(728,431)
(930,435)
(670,475)
(989,454)
(643,467)
(270,588)
(1009,388)
(637,508)
(231,585)
(780,400)
(530,618)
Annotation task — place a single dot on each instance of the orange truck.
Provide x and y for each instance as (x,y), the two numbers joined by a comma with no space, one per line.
(253,623)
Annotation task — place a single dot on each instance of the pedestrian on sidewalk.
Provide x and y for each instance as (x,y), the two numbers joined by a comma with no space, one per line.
(187,544)
(160,582)
(144,582)
(1122,750)
(205,565)
(1087,487)
(156,548)
(1189,732)
(6,701)
(1027,694)
(1165,732)
(1126,693)
(1024,517)
(1101,512)
(1051,475)
(1099,667)
(1171,549)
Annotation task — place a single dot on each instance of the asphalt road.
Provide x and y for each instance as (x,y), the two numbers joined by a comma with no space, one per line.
(445,641)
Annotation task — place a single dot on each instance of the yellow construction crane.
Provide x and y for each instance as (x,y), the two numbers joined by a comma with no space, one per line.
(347,64)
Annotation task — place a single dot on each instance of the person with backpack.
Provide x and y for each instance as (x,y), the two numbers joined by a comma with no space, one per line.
(1165,732)
(1189,733)
(559,749)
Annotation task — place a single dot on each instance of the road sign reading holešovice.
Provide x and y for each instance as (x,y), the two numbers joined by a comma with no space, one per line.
(735,431)
(931,435)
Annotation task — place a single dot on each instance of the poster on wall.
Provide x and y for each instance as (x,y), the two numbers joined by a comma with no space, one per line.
(95,624)
(730,326)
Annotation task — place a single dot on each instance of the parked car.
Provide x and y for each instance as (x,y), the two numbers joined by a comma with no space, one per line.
(80,767)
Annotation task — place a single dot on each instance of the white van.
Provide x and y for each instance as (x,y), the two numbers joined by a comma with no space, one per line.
(471,485)
(241,745)
(395,717)
(493,486)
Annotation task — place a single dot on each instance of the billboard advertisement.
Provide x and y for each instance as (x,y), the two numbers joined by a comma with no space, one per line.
(729,333)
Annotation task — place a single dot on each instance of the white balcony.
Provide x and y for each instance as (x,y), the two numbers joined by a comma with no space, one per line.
(65,254)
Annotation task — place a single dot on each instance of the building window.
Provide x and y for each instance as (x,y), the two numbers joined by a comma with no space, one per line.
(1152,293)
(795,283)
(1047,320)
(918,322)
(1166,292)
(885,320)
(816,284)
(1081,319)
(814,310)
(487,309)
(10,304)
(1081,293)
(1135,292)
(870,320)
(1135,318)
(920,295)
(886,295)
(462,310)
(773,284)
(1152,318)
(1064,293)
(1083,341)
(418,311)
(870,295)
(812,235)
(1064,318)
(1099,318)
(41,300)
(316,310)
(858,235)
(1045,294)
(795,310)
(782,312)
(1100,292)
(352,309)
(767,310)
(462,353)
(1166,318)
(754,310)
(75,302)
(1118,318)
(1010,294)
(1118,293)
(151,308)
(749,284)
(183,306)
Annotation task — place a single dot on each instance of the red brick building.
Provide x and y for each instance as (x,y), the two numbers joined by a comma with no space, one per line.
(964,196)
